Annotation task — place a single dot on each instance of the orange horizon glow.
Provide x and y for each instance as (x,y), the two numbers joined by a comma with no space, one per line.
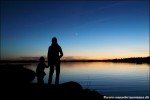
(81,56)
(102,57)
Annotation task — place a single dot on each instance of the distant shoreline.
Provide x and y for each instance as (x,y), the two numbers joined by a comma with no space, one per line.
(137,60)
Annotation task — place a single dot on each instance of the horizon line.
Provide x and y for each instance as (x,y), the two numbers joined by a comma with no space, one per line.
(71,59)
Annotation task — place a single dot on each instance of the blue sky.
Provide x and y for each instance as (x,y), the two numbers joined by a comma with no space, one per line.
(85,29)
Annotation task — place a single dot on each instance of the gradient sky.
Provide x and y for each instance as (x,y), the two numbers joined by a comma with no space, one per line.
(85,29)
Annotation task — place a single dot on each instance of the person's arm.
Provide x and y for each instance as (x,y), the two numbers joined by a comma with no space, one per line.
(37,69)
(61,53)
(48,55)
(45,65)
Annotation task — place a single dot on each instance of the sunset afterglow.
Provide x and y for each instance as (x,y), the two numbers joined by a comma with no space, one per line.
(84,29)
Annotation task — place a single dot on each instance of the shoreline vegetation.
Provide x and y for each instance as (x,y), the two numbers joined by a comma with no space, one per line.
(137,60)
(16,82)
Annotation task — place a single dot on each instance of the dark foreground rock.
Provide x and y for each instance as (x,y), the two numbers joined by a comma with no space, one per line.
(16,84)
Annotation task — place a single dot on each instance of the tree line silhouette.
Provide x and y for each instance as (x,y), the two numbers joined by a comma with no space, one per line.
(137,60)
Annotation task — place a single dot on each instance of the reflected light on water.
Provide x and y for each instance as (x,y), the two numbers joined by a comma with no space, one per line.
(107,78)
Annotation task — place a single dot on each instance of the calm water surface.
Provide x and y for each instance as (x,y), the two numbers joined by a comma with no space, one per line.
(116,79)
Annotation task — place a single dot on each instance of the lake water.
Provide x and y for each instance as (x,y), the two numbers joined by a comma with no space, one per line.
(113,79)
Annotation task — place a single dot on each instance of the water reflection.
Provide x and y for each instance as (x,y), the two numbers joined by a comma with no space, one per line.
(107,78)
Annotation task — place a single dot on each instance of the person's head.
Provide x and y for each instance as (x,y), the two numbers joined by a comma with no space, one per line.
(54,40)
(42,59)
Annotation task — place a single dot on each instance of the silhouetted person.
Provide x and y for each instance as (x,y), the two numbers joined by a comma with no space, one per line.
(54,55)
(40,70)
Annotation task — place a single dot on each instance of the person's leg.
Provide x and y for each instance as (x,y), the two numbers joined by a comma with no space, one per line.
(51,74)
(40,79)
(57,73)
